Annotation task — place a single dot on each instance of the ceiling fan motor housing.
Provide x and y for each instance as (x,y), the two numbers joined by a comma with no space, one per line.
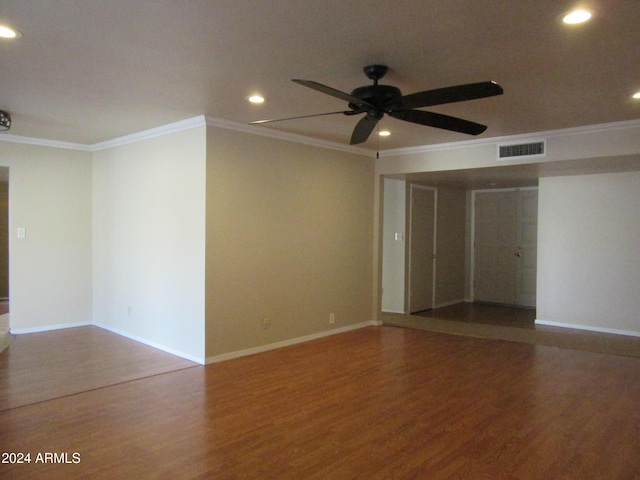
(384,98)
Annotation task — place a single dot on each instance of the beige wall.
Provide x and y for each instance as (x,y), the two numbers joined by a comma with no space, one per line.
(4,238)
(393,249)
(450,246)
(149,237)
(50,269)
(588,251)
(289,237)
(619,142)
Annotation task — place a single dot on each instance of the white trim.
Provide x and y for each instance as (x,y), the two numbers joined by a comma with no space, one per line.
(614,331)
(286,343)
(513,138)
(174,127)
(269,132)
(41,142)
(289,137)
(46,328)
(392,311)
(506,189)
(149,343)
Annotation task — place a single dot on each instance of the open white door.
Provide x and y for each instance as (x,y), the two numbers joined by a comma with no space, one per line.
(422,211)
(527,242)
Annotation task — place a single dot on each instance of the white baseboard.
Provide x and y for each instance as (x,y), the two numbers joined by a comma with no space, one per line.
(287,343)
(214,359)
(628,333)
(392,311)
(46,328)
(149,343)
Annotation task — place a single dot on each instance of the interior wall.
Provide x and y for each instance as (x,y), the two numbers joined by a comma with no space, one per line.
(588,255)
(289,238)
(603,143)
(50,268)
(149,238)
(393,248)
(450,246)
(4,237)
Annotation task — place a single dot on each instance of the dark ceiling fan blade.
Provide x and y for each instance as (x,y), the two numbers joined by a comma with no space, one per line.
(439,120)
(260,122)
(458,93)
(334,93)
(363,129)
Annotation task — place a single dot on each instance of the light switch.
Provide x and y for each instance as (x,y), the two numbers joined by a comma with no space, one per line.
(398,236)
(22,233)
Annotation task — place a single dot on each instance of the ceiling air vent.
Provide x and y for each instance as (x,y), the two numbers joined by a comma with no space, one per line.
(532,149)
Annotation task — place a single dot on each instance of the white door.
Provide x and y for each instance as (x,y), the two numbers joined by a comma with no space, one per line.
(505,234)
(494,248)
(421,248)
(527,253)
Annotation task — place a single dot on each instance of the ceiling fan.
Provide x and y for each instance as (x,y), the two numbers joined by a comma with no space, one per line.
(376,100)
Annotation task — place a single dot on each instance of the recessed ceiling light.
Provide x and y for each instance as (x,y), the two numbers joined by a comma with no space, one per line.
(256,99)
(384,133)
(8,32)
(577,16)
(636,95)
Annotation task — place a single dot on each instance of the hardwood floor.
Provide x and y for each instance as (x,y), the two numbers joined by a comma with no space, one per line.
(485,314)
(512,324)
(375,403)
(46,365)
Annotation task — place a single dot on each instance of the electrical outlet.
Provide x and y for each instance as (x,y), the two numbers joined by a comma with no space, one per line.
(266,323)
(332,318)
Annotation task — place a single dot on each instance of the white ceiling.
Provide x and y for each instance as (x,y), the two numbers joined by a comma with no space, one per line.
(90,71)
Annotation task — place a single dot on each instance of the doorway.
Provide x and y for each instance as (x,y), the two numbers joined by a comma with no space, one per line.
(505,246)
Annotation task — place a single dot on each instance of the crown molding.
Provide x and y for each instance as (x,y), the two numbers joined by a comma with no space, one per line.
(603,127)
(174,127)
(41,142)
(203,120)
(289,137)
(115,142)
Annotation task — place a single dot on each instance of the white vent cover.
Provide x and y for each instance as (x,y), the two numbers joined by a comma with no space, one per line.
(531,149)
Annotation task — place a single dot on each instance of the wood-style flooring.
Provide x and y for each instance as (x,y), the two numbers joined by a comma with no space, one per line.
(375,403)
(46,365)
(512,324)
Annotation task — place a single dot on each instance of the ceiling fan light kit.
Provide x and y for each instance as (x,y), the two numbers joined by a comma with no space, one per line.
(377,100)
(5,121)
